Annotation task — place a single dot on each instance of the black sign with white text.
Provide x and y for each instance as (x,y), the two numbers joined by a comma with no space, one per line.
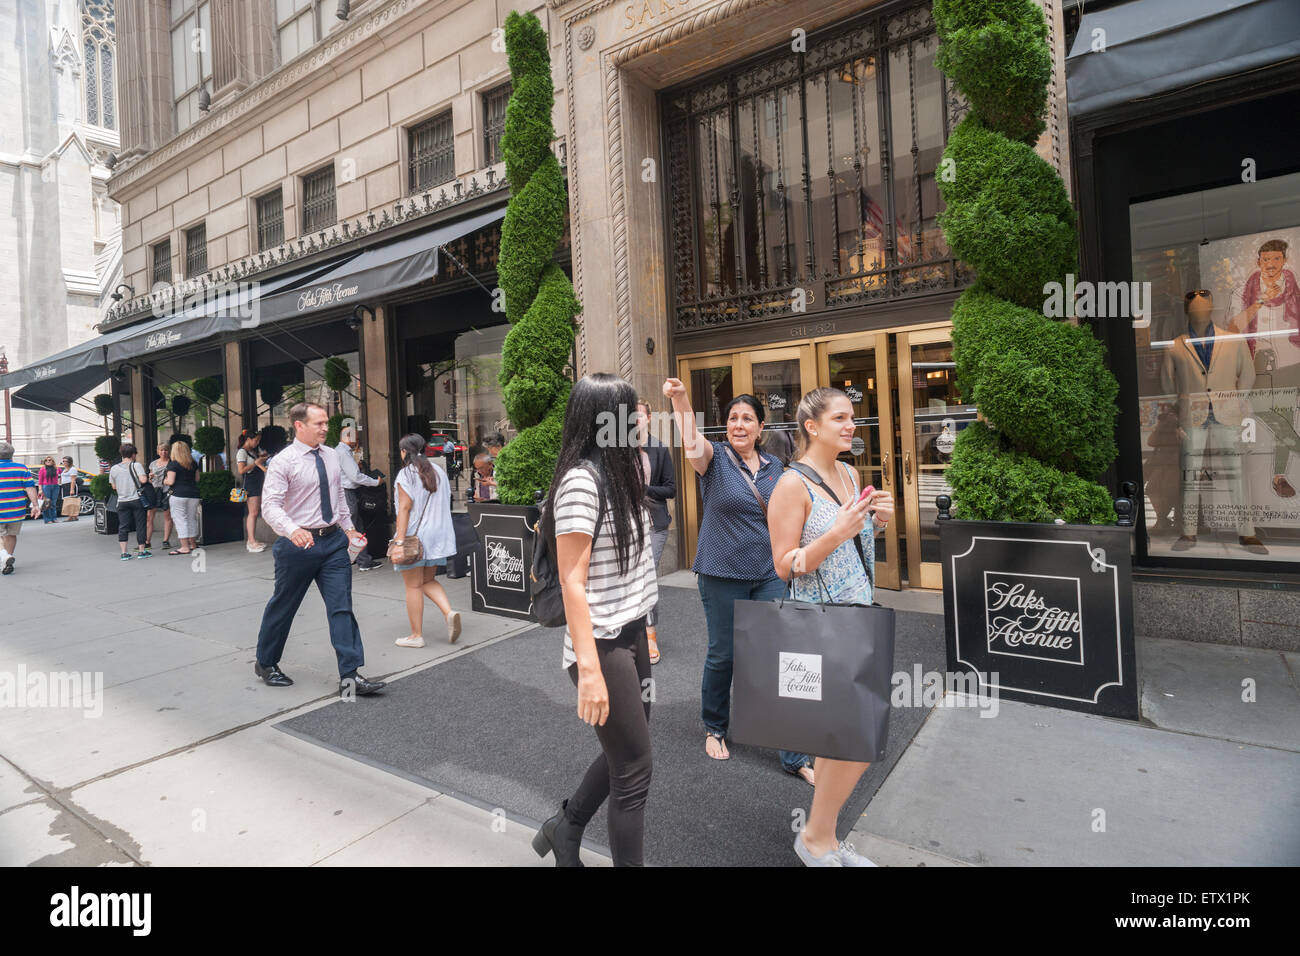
(503,559)
(1042,613)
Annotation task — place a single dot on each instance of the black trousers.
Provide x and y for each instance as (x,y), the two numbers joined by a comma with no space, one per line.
(622,771)
(131,515)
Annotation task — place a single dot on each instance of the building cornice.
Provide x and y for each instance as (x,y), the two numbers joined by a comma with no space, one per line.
(337,45)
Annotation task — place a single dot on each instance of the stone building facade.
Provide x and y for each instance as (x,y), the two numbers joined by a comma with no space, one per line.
(60,246)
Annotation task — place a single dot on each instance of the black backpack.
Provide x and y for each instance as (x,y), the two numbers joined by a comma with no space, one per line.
(548,598)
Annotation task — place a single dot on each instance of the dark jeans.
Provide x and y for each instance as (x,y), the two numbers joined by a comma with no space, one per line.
(719,596)
(131,515)
(51,510)
(326,563)
(364,560)
(622,771)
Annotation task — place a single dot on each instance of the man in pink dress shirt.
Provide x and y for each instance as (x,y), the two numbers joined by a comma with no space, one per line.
(303,501)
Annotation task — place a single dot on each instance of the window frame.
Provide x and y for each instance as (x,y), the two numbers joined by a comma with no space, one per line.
(410,161)
(195,9)
(189,252)
(155,279)
(261,244)
(492,153)
(305,207)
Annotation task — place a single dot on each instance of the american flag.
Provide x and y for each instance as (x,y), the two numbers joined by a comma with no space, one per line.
(873,218)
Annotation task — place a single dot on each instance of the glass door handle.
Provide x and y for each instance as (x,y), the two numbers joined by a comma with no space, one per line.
(907,467)
(885,478)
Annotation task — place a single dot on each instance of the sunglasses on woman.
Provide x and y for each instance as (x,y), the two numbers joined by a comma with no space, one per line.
(1195,293)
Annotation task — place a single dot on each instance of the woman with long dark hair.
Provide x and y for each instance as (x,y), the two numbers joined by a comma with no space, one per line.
(48,479)
(422,500)
(733,554)
(250,461)
(596,513)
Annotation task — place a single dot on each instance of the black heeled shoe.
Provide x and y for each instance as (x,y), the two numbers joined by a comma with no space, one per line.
(561,836)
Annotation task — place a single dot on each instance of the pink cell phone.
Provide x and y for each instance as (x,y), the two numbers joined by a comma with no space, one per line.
(867,492)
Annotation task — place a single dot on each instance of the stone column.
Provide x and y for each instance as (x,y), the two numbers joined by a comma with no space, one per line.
(377,436)
(243,45)
(140,408)
(234,383)
(143,76)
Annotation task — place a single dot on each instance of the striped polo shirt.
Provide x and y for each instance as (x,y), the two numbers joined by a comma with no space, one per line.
(614,599)
(734,541)
(15,479)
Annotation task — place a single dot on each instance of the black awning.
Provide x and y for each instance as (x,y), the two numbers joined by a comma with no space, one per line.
(374,272)
(53,383)
(1153,47)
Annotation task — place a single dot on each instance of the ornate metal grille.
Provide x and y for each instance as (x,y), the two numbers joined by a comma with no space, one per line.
(432,153)
(494,122)
(270,220)
(162,262)
(807,181)
(196,251)
(318,200)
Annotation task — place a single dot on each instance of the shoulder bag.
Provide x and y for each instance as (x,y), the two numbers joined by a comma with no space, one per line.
(811,475)
(749,479)
(410,550)
(147,492)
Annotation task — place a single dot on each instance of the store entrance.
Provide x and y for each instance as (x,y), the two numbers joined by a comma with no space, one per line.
(906,407)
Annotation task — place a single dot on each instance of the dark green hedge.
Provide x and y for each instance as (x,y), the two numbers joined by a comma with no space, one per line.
(100,488)
(209,440)
(103,404)
(215,487)
(1045,396)
(108,448)
(539,299)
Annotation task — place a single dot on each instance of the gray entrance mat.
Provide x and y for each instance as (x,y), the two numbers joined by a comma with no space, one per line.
(499,727)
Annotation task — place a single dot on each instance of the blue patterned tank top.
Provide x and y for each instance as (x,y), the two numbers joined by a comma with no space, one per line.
(841,572)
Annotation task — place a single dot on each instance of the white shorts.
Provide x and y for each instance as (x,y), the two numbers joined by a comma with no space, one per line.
(185,515)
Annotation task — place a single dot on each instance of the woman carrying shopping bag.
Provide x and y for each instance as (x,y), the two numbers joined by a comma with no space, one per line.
(823,533)
(70,488)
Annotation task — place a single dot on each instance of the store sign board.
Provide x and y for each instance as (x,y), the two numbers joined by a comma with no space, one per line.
(1042,613)
(503,559)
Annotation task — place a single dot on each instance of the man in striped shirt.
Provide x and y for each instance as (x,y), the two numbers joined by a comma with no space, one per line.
(17,501)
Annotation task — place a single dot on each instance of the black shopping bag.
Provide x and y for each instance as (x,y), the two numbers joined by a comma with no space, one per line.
(813,678)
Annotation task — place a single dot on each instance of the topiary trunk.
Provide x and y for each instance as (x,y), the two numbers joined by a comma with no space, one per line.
(539,298)
(1045,396)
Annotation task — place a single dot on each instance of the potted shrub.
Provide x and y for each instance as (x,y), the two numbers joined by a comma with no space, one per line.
(1037,582)
(541,306)
(102,492)
(220,520)
(337,378)
(274,438)
(209,441)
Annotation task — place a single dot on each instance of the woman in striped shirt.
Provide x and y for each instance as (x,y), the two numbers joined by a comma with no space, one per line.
(602,546)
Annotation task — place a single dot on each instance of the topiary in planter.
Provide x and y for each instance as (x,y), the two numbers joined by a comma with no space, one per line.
(103,405)
(215,487)
(539,298)
(334,430)
(272,393)
(274,438)
(108,448)
(181,437)
(181,405)
(100,487)
(1045,396)
(207,390)
(209,441)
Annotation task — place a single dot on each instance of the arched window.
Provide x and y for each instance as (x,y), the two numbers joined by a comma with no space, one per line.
(97,31)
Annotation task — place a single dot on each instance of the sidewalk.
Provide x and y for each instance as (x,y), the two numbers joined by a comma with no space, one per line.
(186,766)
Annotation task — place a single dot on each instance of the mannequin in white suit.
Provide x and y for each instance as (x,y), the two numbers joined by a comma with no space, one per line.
(1204,364)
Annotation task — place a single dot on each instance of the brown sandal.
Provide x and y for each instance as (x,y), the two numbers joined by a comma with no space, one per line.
(726,754)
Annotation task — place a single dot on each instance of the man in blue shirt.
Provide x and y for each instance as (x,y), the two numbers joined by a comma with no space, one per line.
(17,501)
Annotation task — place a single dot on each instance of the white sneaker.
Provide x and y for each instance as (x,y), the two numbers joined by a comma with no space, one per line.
(453,627)
(409,641)
(849,856)
(255,549)
(806,855)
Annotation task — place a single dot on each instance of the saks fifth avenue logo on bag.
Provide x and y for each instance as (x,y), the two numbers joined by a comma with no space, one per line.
(505,562)
(799,675)
(1034,615)
(326,295)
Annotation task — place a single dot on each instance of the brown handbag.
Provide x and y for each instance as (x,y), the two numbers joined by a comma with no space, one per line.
(410,550)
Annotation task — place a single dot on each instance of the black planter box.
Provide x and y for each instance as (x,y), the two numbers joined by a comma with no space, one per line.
(221,523)
(503,559)
(105,517)
(1046,608)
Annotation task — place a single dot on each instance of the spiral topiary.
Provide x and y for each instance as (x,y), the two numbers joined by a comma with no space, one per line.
(539,299)
(1046,398)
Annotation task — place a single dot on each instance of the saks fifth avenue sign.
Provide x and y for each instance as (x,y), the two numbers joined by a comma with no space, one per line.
(158,340)
(649,13)
(45,371)
(325,295)
(1048,608)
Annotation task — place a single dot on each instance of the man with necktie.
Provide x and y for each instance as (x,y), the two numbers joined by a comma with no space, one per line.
(303,501)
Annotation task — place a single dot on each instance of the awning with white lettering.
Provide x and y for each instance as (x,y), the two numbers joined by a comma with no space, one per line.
(375,272)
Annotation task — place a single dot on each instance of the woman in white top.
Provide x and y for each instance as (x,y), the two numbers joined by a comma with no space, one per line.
(605,562)
(250,462)
(422,500)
